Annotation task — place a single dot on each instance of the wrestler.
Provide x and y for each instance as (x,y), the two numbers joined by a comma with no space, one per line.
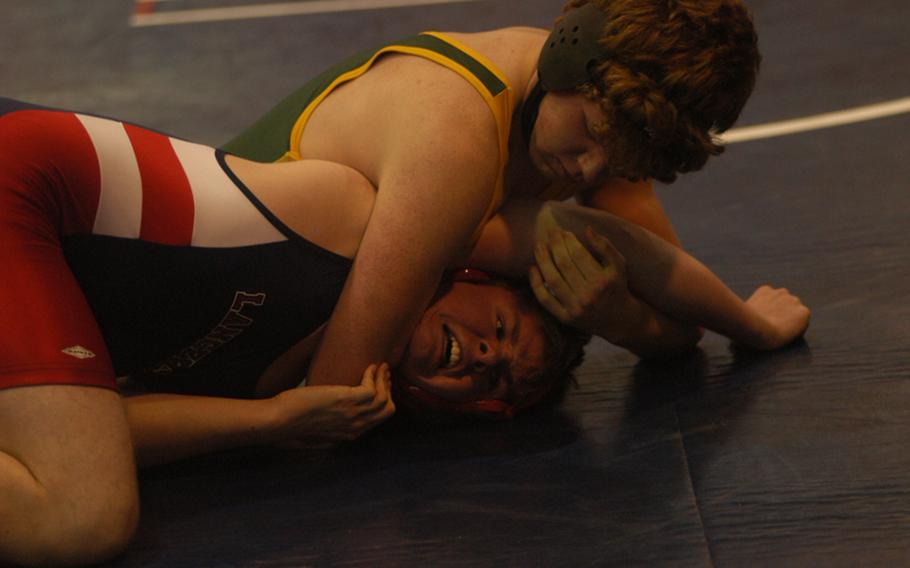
(124,249)
(449,127)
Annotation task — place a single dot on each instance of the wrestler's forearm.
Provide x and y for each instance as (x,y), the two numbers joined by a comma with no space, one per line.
(692,293)
(648,332)
(506,247)
(668,278)
(168,427)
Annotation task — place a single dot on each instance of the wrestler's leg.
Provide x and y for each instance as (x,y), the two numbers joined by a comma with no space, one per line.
(68,489)
(67,479)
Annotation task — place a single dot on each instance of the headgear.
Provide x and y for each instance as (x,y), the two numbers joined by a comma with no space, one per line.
(567,59)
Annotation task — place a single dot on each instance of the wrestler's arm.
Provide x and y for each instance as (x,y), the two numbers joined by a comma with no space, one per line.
(633,201)
(439,165)
(506,247)
(169,427)
(671,291)
(678,285)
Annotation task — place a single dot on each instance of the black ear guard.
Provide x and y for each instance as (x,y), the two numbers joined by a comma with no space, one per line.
(572,49)
(566,60)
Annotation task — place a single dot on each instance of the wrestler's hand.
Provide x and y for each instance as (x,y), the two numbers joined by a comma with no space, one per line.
(578,289)
(787,318)
(322,415)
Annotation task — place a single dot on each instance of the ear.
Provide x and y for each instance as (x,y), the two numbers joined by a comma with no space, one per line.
(470,275)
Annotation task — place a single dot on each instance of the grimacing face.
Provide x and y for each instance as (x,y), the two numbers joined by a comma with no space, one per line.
(564,146)
(475,342)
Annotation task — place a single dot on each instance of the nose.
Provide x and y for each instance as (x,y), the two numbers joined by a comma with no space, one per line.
(592,163)
(489,354)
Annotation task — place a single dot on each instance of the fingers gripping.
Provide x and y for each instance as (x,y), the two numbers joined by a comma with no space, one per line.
(362,407)
(550,289)
(545,297)
(589,267)
(366,391)
(382,406)
(568,280)
(598,274)
(561,245)
(610,257)
(377,406)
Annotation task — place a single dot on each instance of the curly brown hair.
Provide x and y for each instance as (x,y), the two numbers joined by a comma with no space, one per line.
(679,72)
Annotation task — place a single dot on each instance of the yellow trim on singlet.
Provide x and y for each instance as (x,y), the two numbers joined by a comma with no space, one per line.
(500,105)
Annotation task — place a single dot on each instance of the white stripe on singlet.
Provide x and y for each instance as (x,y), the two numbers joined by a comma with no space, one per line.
(224,217)
(119,211)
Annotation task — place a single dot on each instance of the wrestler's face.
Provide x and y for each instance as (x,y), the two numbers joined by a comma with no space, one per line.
(563,144)
(476,342)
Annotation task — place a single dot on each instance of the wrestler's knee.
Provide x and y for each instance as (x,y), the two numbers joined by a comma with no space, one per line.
(68,478)
(97,531)
(75,531)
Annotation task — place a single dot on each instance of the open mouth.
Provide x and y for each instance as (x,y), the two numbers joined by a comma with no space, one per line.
(452,349)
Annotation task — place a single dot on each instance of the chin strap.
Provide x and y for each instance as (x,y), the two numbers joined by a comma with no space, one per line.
(490,408)
(529,111)
(435,405)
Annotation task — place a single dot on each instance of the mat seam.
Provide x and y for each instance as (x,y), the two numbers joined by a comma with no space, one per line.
(701,520)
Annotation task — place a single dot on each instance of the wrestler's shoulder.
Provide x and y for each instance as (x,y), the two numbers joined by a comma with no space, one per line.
(510,50)
(510,34)
(413,85)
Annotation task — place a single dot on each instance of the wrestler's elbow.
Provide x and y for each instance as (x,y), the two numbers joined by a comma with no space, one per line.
(681,340)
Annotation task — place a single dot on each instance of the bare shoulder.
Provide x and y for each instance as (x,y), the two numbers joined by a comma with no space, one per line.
(487,41)
(513,51)
(416,84)
(431,111)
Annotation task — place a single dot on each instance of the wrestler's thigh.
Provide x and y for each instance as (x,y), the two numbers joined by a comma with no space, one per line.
(75,441)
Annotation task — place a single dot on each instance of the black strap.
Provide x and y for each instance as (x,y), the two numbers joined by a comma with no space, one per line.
(530,110)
